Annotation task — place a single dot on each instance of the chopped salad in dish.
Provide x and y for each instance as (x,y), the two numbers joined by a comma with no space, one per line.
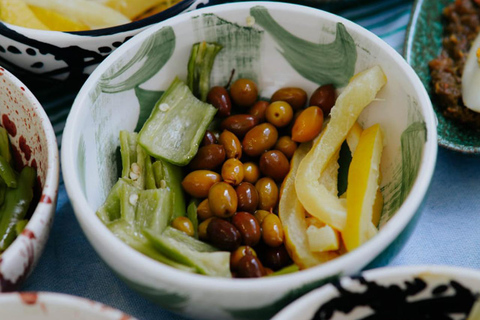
(222,183)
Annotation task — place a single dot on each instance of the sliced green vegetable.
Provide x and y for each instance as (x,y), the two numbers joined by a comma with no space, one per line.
(7,174)
(15,206)
(149,176)
(110,210)
(125,232)
(20,226)
(192,215)
(5,145)
(286,270)
(200,66)
(170,176)
(176,126)
(184,249)
(154,210)
(134,159)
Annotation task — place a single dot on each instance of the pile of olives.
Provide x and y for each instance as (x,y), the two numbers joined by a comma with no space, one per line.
(237,171)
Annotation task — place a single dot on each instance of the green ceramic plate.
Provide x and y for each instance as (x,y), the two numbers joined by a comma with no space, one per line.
(422,44)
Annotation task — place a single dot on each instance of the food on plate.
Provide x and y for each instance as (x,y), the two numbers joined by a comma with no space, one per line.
(78,15)
(455,71)
(16,194)
(239,186)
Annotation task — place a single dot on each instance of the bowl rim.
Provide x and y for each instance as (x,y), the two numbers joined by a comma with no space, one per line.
(71,302)
(43,210)
(318,296)
(371,249)
(133,25)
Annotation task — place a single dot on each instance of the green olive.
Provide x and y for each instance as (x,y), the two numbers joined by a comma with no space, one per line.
(197,183)
(223,200)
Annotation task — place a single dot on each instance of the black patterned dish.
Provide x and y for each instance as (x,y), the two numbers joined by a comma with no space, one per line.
(72,55)
(414,292)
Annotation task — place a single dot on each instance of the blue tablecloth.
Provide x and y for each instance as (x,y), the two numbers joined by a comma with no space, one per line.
(447,232)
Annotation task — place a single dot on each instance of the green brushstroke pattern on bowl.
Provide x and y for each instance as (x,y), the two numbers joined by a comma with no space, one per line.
(423,43)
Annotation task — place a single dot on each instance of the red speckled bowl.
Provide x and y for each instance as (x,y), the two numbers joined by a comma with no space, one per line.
(54,306)
(33,143)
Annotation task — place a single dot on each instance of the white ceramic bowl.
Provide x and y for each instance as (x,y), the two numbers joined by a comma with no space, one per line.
(34,143)
(407,292)
(72,55)
(116,96)
(55,306)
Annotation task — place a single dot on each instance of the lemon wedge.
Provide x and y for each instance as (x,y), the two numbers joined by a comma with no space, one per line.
(18,13)
(362,187)
(56,21)
(313,195)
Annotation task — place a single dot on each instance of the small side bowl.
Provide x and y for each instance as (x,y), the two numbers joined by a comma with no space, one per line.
(119,93)
(72,55)
(33,143)
(55,306)
(409,292)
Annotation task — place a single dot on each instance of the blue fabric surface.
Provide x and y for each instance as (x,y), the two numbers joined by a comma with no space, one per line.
(446,234)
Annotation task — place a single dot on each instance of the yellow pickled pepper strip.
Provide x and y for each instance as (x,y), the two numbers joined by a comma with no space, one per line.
(292,216)
(315,198)
(362,187)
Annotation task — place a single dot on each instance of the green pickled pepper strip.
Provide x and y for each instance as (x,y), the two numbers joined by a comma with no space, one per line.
(149,176)
(192,215)
(20,226)
(154,209)
(128,145)
(176,126)
(5,145)
(125,232)
(170,176)
(180,247)
(15,206)
(7,174)
(200,66)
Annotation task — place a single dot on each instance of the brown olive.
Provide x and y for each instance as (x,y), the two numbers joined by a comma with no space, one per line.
(223,235)
(272,230)
(208,157)
(308,125)
(324,97)
(261,214)
(203,210)
(197,183)
(183,224)
(250,267)
(295,97)
(279,113)
(232,171)
(209,138)
(248,226)
(251,172)
(259,139)
(274,164)
(220,99)
(223,200)
(202,229)
(239,254)
(287,146)
(233,147)
(247,197)
(267,193)
(275,257)
(258,110)
(244,92)
(239,124)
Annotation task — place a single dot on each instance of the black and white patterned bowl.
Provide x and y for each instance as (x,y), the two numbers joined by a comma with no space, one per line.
(73,55)
(412,292)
